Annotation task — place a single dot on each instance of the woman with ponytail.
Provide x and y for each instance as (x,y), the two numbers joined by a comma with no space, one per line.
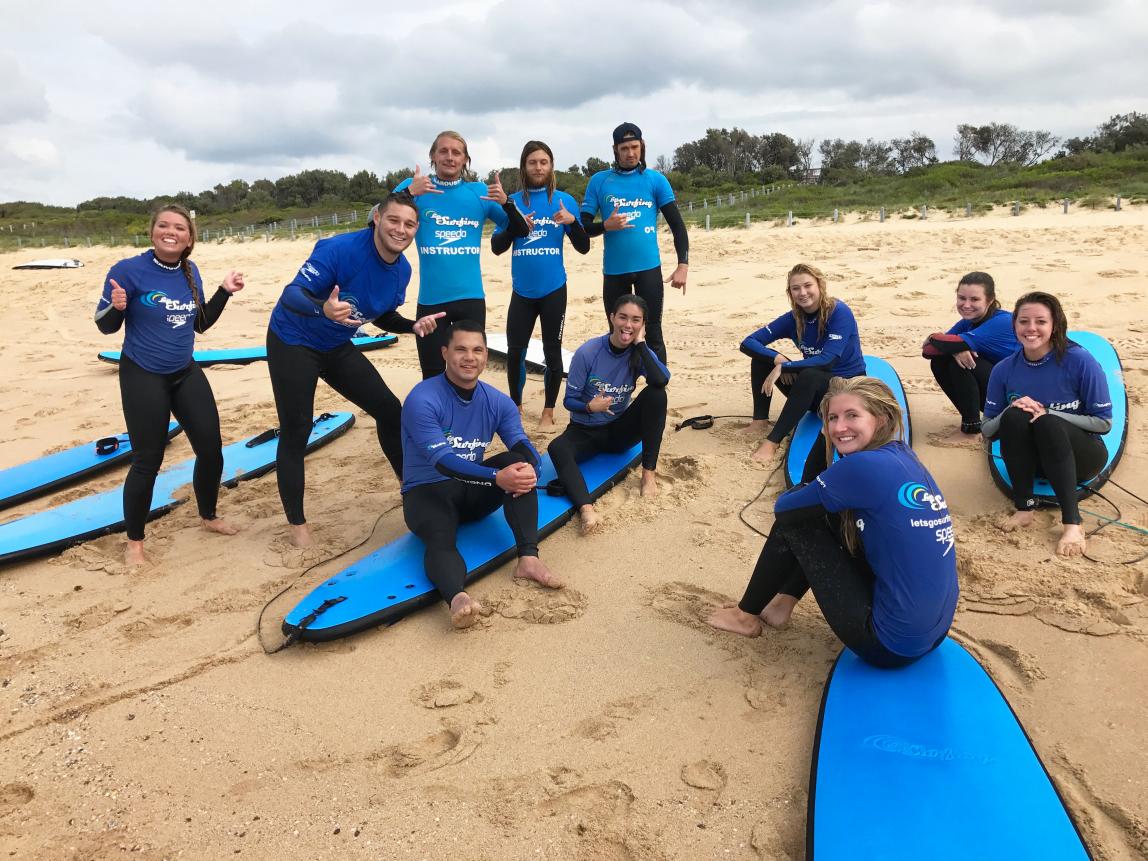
(158,298)
(871,536)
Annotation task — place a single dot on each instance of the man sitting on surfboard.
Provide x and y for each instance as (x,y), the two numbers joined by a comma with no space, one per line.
(448,422)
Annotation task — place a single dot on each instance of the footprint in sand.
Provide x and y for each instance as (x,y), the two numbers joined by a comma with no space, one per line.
(14,795)
(444,694)
(704,774)
(536,606)
(909,312)
(449,746)
(686,604)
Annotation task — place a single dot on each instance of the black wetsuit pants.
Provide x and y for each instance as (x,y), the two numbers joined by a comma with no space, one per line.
(295,370)
(433,512)
(430,347)
(964,387)
(644,420)
(647,284)
(1063,453)
(520,319)
(803,395)
(149,402)
(809,554)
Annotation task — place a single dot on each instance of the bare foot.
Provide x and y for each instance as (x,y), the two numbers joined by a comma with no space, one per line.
(134,555)
(533,568)
(221,526)
(735,621)
(766,452)
(1019,520)
(589,517)
(649,485)
(778,611)
(300,535)
(1071,541)
(546,420)
(464,610)
(756,427)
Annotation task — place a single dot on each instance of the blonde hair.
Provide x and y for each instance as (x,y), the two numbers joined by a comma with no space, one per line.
(184,266)
(447,133)
(878,400)
(825,304)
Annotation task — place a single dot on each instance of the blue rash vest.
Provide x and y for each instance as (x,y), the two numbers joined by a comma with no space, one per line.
(638,194)
(438,424)
(993,339)
(449,239)
(159,319)
(537,267)
(1075,384)
(351,261)
(597,370)
(839,347)
(906,531)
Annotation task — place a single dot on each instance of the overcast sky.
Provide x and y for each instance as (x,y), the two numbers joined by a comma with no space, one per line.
(104,98)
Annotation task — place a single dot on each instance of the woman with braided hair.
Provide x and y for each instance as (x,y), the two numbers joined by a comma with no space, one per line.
(158,298)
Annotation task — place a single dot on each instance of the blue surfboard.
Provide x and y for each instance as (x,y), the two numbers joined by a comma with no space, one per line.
(929,761)
(1114,440)
(247,355)
(92,516)
(388,584)
(51,472)
(809,428)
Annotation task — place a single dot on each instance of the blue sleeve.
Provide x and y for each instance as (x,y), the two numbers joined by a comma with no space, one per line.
(312,284)
(423,426)
(576,382)
(663,193)
(840,329)
(1095,399)
(804,496)
(959,328)
(591,203)
(996,398)
(979,338)
(755,344)
(494,212)
(847,483)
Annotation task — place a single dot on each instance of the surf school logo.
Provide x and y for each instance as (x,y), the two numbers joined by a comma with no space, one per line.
(356,314)
(159,299)
(914,495)
(467,449)
(616,393)
(916,750)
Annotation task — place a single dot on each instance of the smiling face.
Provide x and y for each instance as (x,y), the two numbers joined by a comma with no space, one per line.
(465,356)
(972,303)
(539,168)
(449,157)
(395,229)
(1033,326)
(171,236)
(804,292)
(850,425)
(626,324)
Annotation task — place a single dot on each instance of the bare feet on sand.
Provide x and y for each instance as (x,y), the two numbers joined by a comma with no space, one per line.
(134,555)
(756,427)
(649,485)
(778,611)
(464,610)
(735,621)
(1019,520)
(221,526)
(546,420)
(766,452)
(589,518)
(533,568)
(1071,541)
(300,535)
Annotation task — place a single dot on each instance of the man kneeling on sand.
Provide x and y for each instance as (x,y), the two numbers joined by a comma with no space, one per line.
(447,423)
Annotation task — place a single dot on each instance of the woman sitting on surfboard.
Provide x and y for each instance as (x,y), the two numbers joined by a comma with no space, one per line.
(824,331)
(871,535)
(1048,404)
(962,358)
(158,297)
(538,273)
(603,375)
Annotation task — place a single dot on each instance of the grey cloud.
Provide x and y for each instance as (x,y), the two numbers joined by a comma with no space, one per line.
(21,98)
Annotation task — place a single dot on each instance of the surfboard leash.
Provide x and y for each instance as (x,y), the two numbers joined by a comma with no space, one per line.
(1118,520)
(704,422)
(310,618)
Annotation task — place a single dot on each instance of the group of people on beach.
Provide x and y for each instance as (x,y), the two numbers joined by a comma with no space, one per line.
(868,530)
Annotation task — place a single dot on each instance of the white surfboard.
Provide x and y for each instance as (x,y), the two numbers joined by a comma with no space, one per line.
(535,360)
(51,264)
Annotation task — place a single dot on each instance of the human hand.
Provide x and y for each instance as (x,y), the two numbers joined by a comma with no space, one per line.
(517,478)
(601,404)
(617,221)
(563,215)
(966,359)
(339,312)
(119,296)
(495,191)
(422,184)
(425,325)
(677,278)
(233,283)
(771,380)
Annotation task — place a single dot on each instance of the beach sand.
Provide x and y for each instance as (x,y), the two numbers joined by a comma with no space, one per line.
(141,717)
